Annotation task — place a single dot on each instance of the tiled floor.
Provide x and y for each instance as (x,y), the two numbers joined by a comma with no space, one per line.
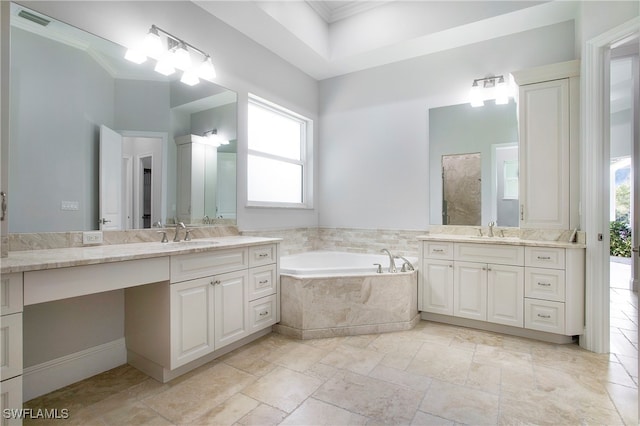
(433,374)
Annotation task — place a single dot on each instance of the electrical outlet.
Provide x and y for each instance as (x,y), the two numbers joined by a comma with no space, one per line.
(70,205)
(92,237)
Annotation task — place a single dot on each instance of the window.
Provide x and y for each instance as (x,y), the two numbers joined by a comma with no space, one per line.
(510,180)
(277,171)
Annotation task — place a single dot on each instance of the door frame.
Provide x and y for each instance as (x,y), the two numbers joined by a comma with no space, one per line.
(595,176)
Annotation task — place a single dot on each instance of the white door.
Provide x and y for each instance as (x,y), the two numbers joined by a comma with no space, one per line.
(437,287)
(110,182)
(192,320)
(505,295)
(470,290)
(231,307)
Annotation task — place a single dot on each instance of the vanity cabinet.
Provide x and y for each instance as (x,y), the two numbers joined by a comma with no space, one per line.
(548,108)
(533,288)
(11,306)
(214,299)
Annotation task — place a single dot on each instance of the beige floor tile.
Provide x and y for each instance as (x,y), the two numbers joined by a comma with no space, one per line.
(353,358)
(369,397)
(283,388)
(193,398)
(396,343)
(460,403)
(536,407)
(517,379)
(442,362)
(629,363)
(263,415)
(397,361)
(296,356)
(402,378)
(135,413)
(424,419)
(315,412)
(484,377)
(626,401)
(229,412)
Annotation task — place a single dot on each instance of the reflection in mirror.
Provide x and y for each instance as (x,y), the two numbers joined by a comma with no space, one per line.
(64,85)
(461,178)
(487,130)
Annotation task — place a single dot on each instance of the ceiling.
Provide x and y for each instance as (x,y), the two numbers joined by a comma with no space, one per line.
(330,38)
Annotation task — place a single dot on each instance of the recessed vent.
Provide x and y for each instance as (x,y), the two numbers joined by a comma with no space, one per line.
(33,18)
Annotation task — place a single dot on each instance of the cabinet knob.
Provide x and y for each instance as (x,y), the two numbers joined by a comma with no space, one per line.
(216,282)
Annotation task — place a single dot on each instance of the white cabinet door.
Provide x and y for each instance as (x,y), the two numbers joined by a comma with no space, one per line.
(544,110)
(505,295)
(231,307)
(437,287)
(11,399)
(192,320)
(470,290)
(10,346)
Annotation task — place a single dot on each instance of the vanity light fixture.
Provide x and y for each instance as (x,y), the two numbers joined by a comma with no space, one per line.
(214,139)
(493,87)
(172,53)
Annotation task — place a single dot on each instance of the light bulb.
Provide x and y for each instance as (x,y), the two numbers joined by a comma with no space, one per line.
(164,65)
(153,44)
(190,78)
(135,56)
(181,58)
(475,95)
(206,69)
(502,92)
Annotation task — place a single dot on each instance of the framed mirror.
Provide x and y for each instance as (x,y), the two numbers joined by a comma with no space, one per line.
(67,87)
(463,139)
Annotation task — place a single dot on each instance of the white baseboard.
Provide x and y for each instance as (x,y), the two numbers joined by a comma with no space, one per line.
(57,373)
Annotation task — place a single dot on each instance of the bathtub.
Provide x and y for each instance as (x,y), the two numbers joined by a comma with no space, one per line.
(328,294)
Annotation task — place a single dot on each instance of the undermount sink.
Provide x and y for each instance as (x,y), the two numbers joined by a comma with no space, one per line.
(494,238)
(191,243)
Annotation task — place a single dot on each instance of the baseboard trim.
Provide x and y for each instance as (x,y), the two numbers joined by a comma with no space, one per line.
(60,372)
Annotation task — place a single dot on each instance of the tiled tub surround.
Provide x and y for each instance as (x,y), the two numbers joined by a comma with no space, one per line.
(329,294)
(190,280)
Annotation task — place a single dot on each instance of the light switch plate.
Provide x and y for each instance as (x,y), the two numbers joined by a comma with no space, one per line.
(70,205)
(92,237)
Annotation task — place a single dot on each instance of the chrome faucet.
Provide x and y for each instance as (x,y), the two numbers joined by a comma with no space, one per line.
(176,237)
(392,265)
(491,225)
(406,266)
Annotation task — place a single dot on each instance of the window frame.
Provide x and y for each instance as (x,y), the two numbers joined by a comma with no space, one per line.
(306,144)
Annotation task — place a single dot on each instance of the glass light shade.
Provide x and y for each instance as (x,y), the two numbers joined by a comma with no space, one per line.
(135,56)
(502,92)
(475,95)
(153,44)
(190,78)
(164,65)
(181,58)
(206,69)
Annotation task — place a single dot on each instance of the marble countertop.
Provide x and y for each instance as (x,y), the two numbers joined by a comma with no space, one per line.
(33,260)
(514,241)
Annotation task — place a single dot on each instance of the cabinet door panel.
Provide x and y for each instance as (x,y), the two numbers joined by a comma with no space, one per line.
(437,287)
(544,154)
(231,301)
(505,295)
(192,322)
(470,290)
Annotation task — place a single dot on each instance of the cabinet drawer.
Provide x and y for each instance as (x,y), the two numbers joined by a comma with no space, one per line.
(262,281)
(11,293)
(197,265)
(262,255)
(11,348)
(547,284)
(262,313)
(489,253)
(544,315)
(438,250)
(545,257)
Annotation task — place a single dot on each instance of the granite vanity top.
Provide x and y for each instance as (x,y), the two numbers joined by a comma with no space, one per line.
(33,260)
(514,241)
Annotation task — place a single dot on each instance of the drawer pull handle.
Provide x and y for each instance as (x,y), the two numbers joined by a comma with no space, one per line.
(263,313)
(544,257)
(263,282)
(216,282)
(544,316)
(545,284)
(438,250)
(261,255)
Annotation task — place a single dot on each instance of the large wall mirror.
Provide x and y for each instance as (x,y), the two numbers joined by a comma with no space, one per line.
(88,128)
(473,165)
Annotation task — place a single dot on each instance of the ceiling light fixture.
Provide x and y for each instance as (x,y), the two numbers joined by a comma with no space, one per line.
(170,53)
(493,87)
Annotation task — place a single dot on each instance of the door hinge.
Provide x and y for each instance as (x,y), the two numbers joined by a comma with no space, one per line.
(600,237)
